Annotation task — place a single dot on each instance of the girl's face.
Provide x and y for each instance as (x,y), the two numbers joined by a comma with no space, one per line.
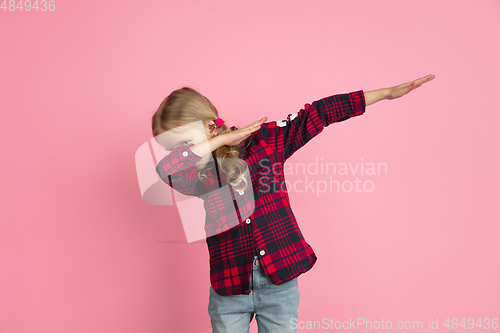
(194,132)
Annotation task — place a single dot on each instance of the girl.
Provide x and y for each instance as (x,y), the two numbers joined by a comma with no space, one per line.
(256,251)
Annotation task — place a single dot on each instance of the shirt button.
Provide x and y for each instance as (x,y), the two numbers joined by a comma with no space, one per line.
(185,153)
(241,192)
(262,252)
(248,221)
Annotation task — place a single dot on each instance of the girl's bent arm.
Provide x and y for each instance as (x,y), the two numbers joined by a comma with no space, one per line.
(177,169)
(202,149)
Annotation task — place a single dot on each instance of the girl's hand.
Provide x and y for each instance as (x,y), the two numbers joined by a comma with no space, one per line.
(403,89)
(235,137)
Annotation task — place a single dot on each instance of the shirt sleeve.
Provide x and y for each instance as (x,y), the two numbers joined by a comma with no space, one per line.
(178,171)
(300,127)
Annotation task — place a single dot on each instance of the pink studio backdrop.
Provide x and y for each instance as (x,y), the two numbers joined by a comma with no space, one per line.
(80,251)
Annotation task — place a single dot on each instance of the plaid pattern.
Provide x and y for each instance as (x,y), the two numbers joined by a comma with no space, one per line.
(272,230)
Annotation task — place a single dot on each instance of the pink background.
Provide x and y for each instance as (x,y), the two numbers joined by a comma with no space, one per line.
(80,251)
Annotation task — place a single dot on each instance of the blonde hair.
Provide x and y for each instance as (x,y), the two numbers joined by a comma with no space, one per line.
(186,105)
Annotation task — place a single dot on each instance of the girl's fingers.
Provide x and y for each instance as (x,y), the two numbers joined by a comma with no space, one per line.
(250,127)
(428,78)
(424,79)
(255,128)
(421,80)
(258,122)
(250,130)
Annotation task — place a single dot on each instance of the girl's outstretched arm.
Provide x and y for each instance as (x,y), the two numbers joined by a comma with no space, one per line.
(395,92)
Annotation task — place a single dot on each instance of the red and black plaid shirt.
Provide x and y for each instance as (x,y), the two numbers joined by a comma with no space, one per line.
(272,230)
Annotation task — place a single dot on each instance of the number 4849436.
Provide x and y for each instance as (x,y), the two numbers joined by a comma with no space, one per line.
(27,6)
(485,324)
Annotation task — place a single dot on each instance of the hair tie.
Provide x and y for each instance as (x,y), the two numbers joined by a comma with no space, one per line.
(219,122)
(214,127)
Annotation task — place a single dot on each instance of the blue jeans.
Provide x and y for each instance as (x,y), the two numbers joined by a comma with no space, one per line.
(273,305)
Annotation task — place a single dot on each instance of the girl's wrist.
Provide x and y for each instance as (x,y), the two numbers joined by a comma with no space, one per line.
(385,93)
(374,96)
